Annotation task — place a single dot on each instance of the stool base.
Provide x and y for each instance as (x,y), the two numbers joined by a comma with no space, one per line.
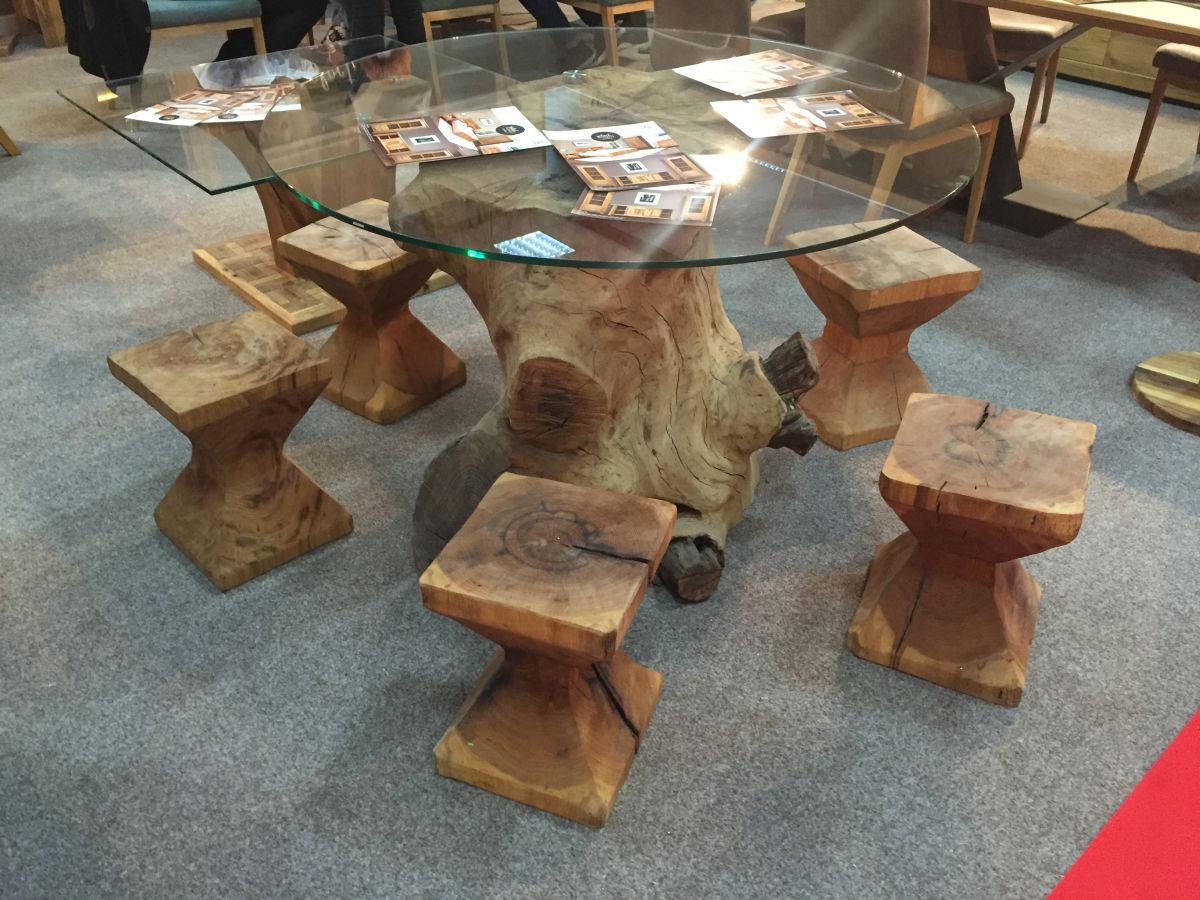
(858,403)
(556,737)
(962,623)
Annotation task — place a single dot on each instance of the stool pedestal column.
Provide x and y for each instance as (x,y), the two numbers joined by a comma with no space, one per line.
(554,735)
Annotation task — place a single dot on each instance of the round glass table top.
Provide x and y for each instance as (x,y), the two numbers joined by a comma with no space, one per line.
(643,171)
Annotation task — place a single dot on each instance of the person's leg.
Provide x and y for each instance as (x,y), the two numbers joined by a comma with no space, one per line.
(364,18)
(285,23)
(546,13)
(410,26)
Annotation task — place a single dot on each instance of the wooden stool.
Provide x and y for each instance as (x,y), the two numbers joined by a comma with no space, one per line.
(874,294)
(385,362)
(236,388)
(978,488)
(554,574)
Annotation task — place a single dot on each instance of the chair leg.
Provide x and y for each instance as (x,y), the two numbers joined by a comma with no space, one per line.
(1156,99)
(979,184)
(885,180)
(1051,75)
(801,149)
(498,28)
(609,20)
(9,145)
(428,27)
(260,40)
(1035,94)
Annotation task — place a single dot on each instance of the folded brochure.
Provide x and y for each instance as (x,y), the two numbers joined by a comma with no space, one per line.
(429,137)
(757,73)
(626,156)
(196,106)
(816,113)
(678,204)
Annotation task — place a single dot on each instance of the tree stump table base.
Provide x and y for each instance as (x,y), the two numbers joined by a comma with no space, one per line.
(874,294)
(246,265)
(979,489)
(386,364)
(236,389)
(554,573)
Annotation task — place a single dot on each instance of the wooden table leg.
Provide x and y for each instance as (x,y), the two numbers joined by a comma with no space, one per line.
(625,379)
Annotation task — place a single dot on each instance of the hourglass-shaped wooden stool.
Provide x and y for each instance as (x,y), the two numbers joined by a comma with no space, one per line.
(385,362)
(874,294)
(554,574)
(978,488)
(236,388)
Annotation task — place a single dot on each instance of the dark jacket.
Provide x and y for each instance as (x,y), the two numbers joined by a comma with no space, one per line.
(110,37)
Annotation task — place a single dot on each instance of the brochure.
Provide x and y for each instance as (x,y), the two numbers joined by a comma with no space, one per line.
(194,107)
(757,73)
(626,156)
(817,113)
(429,137)
(680,204)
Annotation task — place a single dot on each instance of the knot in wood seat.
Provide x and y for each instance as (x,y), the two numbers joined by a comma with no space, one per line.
(874,293)
(236,388)
(979,488)
(554,573)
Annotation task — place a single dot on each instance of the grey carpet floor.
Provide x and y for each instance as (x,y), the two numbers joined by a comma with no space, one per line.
(160,739)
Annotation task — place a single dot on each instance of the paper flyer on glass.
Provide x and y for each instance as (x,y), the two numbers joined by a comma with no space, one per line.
(680,204)
(625,156)
(816,113)
(194,107)
(757,73)
(429,136)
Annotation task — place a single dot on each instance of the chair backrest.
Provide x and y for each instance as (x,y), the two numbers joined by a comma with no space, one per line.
(889,33)
(725,22)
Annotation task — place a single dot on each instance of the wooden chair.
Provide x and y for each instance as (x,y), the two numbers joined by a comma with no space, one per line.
(979,488)
(723,31)
(236,389)
(1179,66)
(439,11)
(9,145)
(1020,36)
(874,294)
(385,362)
(554,573)
(608,10)
(180,17)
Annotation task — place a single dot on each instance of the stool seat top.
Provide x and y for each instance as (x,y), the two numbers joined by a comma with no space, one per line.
(202,376)
(552,568)
(898,266)
(957,456)
(344,251)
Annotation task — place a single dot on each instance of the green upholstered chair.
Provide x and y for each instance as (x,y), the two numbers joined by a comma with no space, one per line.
(192,16)
(608,10)
(723,28)
(449,10)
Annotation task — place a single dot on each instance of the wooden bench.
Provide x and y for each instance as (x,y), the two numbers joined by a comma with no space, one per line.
(979,488)
(874,294)
(236,389)
(385,362)
(554,573)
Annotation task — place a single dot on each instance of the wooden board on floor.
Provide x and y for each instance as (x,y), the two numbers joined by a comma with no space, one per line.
(1169,387)
(246,265)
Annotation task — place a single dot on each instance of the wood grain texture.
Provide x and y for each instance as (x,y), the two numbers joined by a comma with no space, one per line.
(1168,386)
(874,294)
(236,389)
(554,573)
(978,488)
(550,568)
(386,363)
(246,265)
(558,738)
